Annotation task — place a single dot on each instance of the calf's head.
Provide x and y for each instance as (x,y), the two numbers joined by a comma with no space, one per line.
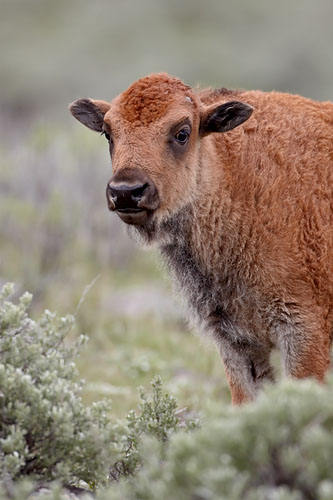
(154,130)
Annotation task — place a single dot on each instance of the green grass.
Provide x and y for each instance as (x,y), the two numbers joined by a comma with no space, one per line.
(124,353)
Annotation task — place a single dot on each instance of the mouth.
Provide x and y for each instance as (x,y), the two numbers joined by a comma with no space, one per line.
(136,216)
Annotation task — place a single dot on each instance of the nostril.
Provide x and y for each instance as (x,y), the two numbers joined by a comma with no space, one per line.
(113,192)
(137,193)
(111,199)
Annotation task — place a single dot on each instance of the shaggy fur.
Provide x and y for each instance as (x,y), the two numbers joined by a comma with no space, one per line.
(245,221)
(147,100)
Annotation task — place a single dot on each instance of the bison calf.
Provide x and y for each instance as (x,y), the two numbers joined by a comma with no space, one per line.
(236,190)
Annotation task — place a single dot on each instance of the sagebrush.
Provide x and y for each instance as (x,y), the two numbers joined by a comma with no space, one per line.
(46,432)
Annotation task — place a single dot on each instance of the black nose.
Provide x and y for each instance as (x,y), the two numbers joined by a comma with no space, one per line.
(126,196)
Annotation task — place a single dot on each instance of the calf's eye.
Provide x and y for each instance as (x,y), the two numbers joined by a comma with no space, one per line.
(182,136)
(107,136)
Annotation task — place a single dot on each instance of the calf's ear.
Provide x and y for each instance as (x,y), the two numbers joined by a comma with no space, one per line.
(90,112)
(224,117)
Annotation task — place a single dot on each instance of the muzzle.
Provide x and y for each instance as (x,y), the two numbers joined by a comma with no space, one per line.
(133,195)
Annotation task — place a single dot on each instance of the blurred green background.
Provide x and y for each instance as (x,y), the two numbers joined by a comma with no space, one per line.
(57,238)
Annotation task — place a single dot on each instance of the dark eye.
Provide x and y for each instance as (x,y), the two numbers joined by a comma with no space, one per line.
(182,136)
(107,136)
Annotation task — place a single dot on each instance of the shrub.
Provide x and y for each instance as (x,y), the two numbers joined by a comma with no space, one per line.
(278,448)
(158,417)
(45,430)
(46,433)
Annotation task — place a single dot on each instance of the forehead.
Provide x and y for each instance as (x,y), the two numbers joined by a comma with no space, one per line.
(150,98)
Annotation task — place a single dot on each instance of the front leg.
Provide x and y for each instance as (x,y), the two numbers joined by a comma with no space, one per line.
(247,366)
(304,342)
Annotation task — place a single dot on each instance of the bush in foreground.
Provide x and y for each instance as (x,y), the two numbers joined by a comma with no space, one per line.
(45,430)
(46,433)
(158,417)
(277,448)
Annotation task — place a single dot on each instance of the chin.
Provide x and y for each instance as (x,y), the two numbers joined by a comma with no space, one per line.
(136,217)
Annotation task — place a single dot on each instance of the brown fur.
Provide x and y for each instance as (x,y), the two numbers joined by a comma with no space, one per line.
(148,99)
(245,221)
